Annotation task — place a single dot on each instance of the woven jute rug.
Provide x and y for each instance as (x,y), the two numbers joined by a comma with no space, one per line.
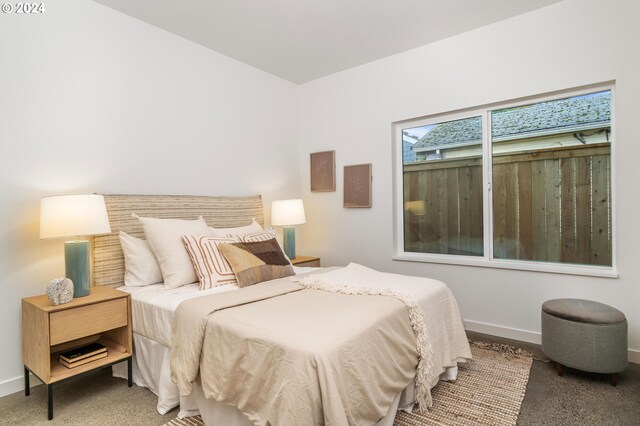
(489,391)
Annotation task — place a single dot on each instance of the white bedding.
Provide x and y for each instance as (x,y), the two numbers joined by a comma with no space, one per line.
(153,307)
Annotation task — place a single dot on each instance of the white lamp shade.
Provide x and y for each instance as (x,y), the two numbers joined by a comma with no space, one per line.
(287,212)
(70,215)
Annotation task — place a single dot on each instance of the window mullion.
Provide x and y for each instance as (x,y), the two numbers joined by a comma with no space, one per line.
(487,186)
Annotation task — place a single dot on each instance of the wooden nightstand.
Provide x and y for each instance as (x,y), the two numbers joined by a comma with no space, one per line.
(47,330)
(309,261)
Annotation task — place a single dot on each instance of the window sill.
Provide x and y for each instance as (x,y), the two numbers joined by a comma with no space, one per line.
(585,270)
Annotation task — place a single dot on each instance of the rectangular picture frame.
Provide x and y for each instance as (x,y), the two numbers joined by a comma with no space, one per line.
(357,186)
(323,171)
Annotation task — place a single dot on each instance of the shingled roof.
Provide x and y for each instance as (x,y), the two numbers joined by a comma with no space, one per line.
(557,116)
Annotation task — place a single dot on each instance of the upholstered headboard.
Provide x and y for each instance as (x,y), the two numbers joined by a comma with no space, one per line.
(219,212)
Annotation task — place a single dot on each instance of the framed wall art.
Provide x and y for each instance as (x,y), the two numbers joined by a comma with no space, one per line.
(357,186)
(323,171)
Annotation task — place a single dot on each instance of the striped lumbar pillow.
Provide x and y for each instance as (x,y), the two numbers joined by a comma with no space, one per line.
(212,268)
(258,261)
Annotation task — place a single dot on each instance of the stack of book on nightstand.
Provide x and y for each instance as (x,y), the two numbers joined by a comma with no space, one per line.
(83,355)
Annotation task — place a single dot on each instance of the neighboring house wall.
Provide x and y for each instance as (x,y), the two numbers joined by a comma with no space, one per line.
(408,155)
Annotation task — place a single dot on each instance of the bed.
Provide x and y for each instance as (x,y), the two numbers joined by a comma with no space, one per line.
(154,312)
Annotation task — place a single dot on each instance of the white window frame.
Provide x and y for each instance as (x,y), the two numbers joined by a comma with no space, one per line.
(487,260)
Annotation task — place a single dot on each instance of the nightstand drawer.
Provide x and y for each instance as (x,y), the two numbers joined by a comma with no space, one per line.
(84,321)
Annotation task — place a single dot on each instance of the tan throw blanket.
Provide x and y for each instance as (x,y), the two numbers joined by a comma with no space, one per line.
(357,280)
(284,355)
(441,338)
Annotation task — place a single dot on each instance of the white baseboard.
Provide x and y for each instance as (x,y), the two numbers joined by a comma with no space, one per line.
(501,331)
(16,384)
(634,356)
(524,335)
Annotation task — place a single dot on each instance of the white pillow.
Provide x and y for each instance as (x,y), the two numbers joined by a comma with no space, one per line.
(165,238)
(238,230)
(140,264)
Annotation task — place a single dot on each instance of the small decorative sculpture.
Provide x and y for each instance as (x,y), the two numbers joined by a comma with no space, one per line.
(60,290)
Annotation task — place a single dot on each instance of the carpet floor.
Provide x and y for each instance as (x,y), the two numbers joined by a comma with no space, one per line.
(577,398)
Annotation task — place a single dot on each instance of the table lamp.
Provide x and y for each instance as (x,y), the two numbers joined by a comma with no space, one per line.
(73,216)
(288,213)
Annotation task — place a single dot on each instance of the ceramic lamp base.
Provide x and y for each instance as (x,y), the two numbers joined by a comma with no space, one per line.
(76,265)
(289,241)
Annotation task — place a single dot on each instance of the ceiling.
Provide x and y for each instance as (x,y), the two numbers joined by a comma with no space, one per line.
(302,40)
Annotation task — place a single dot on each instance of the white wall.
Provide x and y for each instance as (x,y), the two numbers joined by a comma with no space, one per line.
(569,44)
(92,100)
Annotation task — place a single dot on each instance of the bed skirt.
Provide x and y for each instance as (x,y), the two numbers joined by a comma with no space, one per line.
(151,369)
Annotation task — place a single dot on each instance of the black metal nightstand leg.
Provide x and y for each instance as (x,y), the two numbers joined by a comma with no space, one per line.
(50,402)
(27,389)
(130,372)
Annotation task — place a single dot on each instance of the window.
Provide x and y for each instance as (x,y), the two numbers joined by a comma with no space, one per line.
(443,189)
(520,185)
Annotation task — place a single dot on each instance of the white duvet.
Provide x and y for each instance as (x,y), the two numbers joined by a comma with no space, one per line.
(153,306)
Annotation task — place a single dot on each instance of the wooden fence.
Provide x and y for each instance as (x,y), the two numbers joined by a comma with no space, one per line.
(552,205)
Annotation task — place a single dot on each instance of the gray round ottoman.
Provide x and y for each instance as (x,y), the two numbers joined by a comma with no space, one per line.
(585,335)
